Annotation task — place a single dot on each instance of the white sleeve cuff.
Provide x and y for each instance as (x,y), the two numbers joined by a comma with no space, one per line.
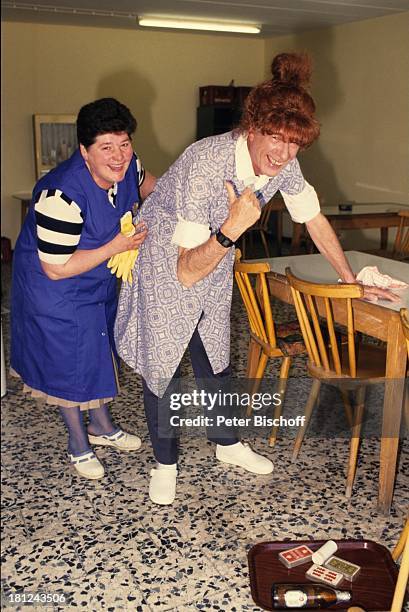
(188,234)
(304,206)
(53,259)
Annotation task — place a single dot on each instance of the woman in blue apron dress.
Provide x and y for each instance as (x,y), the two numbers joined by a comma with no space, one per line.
(64,296)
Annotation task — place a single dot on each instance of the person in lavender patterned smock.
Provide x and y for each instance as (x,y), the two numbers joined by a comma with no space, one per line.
(200,207)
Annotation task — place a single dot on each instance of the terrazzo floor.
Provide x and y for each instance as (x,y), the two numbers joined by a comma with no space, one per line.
(107,547)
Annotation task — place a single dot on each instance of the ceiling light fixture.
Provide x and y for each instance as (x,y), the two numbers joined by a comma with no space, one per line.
(184,24)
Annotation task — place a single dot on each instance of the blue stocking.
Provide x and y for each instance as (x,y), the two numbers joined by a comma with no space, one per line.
(77,434)
(100,421)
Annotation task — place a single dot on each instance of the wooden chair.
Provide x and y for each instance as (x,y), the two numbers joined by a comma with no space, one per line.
(263,339)
(401,245)
(401,549)
(276,204)
(404,317)
(400,249)
(331,362)
(403,575)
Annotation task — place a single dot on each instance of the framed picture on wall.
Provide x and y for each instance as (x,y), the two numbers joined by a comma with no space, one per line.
(55,139)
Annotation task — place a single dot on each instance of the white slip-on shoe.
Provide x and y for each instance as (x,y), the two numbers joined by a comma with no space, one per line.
(162,487)
(242,455)
(120,439)
(87,465)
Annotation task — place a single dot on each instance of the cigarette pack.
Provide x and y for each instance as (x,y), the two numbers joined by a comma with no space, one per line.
(319,573)
(295,556)
(349,570)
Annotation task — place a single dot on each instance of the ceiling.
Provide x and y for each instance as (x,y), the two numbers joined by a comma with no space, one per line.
(277,17)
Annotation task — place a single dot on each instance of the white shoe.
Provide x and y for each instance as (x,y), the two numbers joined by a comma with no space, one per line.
(241,454)
(162,487)
(88,466)
(120,439)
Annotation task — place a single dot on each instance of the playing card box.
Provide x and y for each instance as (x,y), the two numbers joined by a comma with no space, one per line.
(295,556)
(319,573)
(349,570)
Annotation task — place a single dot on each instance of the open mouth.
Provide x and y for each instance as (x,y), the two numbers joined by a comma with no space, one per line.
(274,162)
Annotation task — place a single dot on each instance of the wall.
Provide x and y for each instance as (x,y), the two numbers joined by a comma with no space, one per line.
(361,89)
(56,69)
(360,86)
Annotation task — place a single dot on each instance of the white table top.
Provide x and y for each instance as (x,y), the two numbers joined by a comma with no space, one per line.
(362,208)
(315,268)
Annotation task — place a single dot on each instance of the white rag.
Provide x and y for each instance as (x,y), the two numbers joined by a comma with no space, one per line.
(370,275)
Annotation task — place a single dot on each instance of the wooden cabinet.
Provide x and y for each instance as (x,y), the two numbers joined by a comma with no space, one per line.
(220,109)
(212,120)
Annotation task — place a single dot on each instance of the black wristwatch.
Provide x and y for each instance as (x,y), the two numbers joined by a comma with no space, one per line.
(223,240)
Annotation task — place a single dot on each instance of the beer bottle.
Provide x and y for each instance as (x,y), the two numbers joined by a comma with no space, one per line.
(314,595)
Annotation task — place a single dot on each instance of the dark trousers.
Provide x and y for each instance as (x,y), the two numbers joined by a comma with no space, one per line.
(158,411)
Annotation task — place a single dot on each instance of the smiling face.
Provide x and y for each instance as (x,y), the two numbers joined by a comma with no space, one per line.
(108,158)
(270,153)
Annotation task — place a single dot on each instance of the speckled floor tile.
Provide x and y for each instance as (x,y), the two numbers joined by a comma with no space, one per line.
(110,548)
(233,600)
(27,566)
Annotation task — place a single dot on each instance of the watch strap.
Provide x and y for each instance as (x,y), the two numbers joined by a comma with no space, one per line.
(224,240)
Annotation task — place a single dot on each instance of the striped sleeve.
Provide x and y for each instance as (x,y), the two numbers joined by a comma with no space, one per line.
(59,225)
(140,170)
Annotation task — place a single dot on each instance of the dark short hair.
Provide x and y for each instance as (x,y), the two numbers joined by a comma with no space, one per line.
(282,104)
(102,117)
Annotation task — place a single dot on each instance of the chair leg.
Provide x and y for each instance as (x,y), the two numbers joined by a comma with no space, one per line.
(406,406)
(315,389)
(265,242)
(355,440)
(279,231)
(402,581)
(253,358)
(348,407)
(285,367)
(398,550)
(257,379)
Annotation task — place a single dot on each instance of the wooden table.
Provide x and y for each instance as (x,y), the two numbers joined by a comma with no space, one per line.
(381,215)
(380,320)
(25,199)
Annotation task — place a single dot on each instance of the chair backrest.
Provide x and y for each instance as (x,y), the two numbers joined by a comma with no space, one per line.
(401,245)
(263,222)
(321,353)
(404,317)
(257,305)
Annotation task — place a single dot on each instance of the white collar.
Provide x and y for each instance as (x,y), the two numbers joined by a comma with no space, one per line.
(111,192)
(244,166)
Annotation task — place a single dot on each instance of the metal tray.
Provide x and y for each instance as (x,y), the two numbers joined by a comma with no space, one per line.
(372,590)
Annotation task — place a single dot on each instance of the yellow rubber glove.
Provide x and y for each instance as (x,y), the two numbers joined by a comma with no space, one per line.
(127,227)
(122,264)
(113,263)
(127,275)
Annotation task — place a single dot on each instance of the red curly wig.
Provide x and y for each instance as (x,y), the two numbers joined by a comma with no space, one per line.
(282,105)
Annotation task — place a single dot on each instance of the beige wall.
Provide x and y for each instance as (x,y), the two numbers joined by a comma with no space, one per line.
(360,86)
(56,69)
(361,89)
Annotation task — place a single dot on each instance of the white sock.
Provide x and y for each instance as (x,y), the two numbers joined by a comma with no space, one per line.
(166,466)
